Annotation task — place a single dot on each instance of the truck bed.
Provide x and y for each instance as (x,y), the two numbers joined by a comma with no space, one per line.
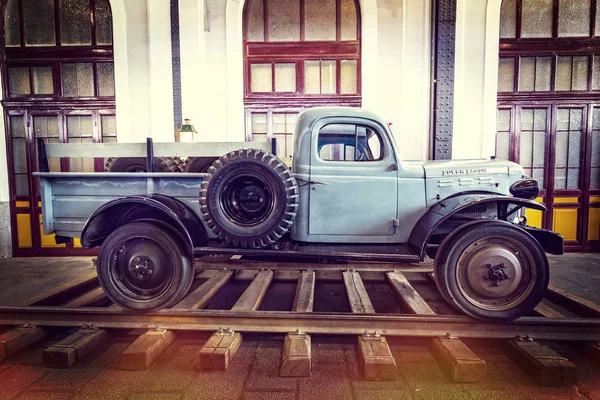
(70,198)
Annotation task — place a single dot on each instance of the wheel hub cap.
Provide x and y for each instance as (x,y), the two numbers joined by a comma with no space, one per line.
(141,268)
(494,272)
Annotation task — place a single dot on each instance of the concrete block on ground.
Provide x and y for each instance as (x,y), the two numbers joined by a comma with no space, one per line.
(146,349)
(376,360)
(218,352)
(296,360)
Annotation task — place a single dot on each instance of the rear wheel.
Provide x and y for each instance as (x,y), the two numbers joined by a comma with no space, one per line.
(492,270)
(141,267)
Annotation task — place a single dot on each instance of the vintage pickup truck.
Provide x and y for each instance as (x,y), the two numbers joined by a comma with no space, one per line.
(347,196)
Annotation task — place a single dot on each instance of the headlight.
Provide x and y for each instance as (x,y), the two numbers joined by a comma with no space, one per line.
(525,189)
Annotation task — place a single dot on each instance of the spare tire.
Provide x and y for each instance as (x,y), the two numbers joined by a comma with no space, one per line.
(198,164)
(249,198)
(138,164)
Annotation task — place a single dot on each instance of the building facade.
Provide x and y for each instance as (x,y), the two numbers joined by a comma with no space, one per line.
(124,70)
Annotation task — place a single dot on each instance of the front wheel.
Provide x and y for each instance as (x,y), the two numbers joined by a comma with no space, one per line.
(143,268)
(492,270)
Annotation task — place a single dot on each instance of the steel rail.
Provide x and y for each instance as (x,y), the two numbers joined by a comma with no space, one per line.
(317,323)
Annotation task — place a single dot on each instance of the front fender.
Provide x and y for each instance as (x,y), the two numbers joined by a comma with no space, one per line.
(164,210)
(448,207)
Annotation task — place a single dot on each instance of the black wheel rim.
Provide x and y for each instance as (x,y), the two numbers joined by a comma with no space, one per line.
(247,199)
(141,268)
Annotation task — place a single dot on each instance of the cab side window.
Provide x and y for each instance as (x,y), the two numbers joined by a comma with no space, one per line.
(349,142)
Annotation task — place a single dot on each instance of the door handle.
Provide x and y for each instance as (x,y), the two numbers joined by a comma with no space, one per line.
(311,181)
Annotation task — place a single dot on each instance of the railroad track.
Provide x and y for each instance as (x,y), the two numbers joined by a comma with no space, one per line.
(368,300)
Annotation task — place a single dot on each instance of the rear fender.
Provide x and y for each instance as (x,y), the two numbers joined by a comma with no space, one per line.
(161,210)
(445,209)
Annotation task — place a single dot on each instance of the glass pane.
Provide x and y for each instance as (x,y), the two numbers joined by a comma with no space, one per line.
(562,119)
(17,127)
(21,185)
(506,74)
(540,119)
(285,77)
(526,149)
(573,178)
(106,79)
(38,21)
(538,175)
(527,74)
(259,123)
(312,77)
(349,22)
(597,18)
(19,155)
(543,74)
(69,79)
(320,19)
(290,122)
(19,80)
(43,82)
(45,127)
(527,120)
(576,119)
(284,21)
(75,23)
(11,24)
(580,73)
(537,18)
(103,20)
(539,148)
(108,125)
(278,123)
(563,73)
(289,145)
(502,142)
(280,138)
(596,77)
(260,78)
(348,77)
(574,18)
(328,77)
(503,120)
(255,15)
(260,137)
(77,80)
(595,178)
(560,179)
(562,139)
(508,19)
(78,126)
(85,79)
(574,148)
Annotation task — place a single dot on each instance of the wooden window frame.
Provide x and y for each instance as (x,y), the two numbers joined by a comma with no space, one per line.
(266,52)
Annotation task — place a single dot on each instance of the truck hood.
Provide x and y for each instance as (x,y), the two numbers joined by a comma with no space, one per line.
(447,178)
(458,168)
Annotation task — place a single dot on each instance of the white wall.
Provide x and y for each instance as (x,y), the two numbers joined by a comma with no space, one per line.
(404,69)
(143,75)
(477,39)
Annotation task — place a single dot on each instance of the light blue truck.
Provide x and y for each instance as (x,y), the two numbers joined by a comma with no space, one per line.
(347,196)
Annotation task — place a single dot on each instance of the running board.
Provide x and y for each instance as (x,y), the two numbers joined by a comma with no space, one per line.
(357,252)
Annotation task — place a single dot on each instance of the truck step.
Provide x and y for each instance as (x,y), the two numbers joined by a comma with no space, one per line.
(345,251)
